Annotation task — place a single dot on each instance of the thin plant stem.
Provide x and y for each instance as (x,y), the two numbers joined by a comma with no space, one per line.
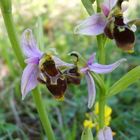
(101,46)
(42,114)
(13,37)
(10,26)
(101,110)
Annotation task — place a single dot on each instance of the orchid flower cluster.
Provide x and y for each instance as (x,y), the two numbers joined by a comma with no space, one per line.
(47,69)
(57,74)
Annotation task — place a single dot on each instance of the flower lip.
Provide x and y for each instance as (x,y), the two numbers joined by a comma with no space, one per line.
(122,33)
(124,37)
(59,89)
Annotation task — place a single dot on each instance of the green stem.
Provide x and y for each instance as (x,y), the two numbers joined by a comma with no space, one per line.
(101,45)
(43,115)
(7,16)
(101,110)
(13,37)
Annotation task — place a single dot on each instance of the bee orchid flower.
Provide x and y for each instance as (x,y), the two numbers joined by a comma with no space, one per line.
(36,62)
(112,23)
(94,67)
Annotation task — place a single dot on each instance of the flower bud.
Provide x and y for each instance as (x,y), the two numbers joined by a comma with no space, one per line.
(87,134)
(105,134)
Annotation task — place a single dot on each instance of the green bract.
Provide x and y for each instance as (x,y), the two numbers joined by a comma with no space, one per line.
(87,134)
(88,6)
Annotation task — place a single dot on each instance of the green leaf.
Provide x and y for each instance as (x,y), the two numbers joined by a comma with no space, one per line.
(88,5)
(87,134)
(128,79)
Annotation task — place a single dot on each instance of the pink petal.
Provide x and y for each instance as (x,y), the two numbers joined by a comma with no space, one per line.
(32,60)
(91,89)
(84,70)
(100,135)
(101,69)
(29,79)
(107,6)
(108,133)
(105,134)
(110,3)
(91,59)
(93,25)
(60,63)
(29,45)
(105,9)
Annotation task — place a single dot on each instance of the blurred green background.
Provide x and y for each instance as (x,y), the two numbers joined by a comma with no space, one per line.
(19,119)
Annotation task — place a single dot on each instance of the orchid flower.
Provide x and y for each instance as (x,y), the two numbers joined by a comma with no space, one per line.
(96,23)
(105,134)
(91,66)
(34,59)
(112,23)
